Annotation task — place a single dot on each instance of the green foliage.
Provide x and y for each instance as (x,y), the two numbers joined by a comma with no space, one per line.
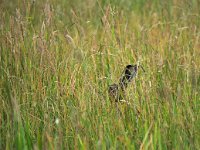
(57,59)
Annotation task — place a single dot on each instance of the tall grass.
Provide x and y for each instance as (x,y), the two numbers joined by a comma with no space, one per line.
(57,59)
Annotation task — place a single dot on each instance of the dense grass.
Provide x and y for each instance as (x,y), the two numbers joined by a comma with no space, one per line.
(57,59)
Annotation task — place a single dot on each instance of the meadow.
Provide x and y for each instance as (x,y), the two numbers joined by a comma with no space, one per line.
(58,58)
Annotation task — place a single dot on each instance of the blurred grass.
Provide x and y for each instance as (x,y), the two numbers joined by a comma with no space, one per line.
(58,58)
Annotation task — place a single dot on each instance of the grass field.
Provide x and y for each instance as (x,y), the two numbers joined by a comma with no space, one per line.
(57,59)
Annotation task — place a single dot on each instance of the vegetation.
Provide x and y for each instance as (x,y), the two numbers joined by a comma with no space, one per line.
(58,58)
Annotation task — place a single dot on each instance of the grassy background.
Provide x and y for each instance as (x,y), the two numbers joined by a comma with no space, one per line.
(57,59)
